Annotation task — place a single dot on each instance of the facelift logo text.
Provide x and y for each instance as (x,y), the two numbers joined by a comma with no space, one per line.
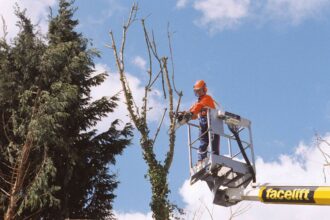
(303,195)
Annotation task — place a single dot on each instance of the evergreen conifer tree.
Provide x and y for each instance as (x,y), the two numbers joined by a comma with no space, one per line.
(53,163)
(82,161)
(30,116)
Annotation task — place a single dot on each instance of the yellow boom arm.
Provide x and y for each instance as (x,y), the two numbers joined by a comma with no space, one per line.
(305,195)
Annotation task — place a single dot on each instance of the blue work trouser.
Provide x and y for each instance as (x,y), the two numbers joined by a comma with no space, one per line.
(204,140)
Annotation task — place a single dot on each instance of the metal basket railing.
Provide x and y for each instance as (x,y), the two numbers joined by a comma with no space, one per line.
(217,122)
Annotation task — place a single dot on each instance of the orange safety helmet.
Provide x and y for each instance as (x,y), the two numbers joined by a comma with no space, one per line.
(200,84)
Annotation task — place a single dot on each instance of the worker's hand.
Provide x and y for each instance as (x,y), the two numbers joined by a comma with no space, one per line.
(188,116)
(180,117)
(184,117)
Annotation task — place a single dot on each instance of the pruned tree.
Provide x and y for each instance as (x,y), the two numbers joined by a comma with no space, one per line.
(158,170)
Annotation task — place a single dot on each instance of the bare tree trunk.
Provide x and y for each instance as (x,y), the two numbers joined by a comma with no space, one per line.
(18,179)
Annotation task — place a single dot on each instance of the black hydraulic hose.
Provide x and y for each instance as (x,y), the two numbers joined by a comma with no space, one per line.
(239,142)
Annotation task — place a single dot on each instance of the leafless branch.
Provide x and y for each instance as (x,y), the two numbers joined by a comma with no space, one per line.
(197,211)
(178,105)
(172,60)
(5,192)
(131,19)
(323,140)
(325,155)
(33,214)
(121,66)
(207,209)
(128,23)
(320,140)
(240,210)
(127,93)
(169,157)
(324,174)
(5,127)
(10,167)
(2,176)
(159,126)
(152,46)
(146,37)
(4,28)
(155,79)
(114,47)
(149,71)
(154,50)
(180,94)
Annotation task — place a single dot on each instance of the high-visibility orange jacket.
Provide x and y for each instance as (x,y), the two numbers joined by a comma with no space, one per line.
(203,103)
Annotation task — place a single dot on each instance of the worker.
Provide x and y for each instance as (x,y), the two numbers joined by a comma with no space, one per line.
(199,110)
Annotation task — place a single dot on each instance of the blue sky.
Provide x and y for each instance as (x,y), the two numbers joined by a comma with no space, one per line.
(272,73)
(265,60)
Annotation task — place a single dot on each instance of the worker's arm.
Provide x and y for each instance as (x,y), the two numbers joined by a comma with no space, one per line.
(207,101)
(195,109)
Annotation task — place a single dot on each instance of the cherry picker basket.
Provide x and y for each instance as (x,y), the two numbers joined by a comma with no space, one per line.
(234,167)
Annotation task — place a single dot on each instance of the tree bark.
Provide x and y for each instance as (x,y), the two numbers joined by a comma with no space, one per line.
(18,179)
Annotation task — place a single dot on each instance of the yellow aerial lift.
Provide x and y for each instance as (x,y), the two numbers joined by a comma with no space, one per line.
(231,176)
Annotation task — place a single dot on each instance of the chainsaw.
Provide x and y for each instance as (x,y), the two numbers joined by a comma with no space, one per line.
(182,118)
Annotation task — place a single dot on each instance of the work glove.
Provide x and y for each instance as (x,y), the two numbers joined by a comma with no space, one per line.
(180,117)
(184,117)
(187,116)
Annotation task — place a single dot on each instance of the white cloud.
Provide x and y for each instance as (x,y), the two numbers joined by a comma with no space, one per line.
(139,62)
(222,14)
(112,7)
(133,216)
(36,10)
(112,86)
(181,3)
(218,15)
(294,11)
(304,167)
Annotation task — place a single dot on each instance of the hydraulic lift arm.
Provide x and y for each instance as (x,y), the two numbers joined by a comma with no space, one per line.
(305,195)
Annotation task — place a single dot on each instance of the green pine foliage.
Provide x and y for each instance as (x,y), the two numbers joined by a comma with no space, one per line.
(46,125)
